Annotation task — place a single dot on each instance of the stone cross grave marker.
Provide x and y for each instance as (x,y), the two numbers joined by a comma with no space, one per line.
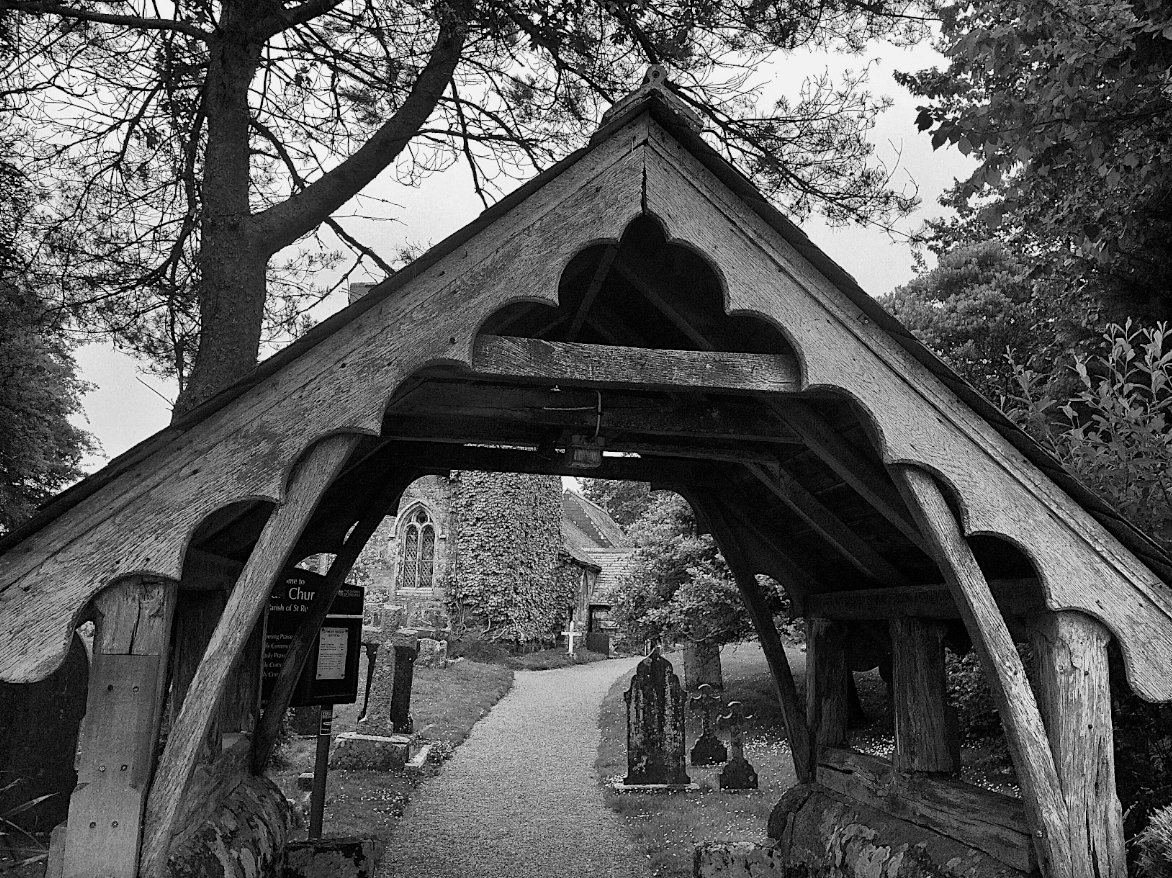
(570,634)
(655,725)
(708,749)
(738,774)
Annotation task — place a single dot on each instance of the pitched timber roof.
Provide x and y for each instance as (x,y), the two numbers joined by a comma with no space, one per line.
(646,240)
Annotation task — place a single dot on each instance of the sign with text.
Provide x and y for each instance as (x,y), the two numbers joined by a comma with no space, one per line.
(330,675)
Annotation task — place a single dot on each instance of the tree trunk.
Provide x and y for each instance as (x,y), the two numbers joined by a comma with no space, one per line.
(232,262)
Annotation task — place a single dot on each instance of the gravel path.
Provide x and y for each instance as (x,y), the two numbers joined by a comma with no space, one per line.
(520,797)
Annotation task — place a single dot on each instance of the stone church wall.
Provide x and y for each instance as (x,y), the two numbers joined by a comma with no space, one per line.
(505,578)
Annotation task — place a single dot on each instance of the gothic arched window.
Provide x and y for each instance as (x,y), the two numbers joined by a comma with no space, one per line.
(417,556)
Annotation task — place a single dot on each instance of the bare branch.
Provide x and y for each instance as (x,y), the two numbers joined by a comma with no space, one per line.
(47,7)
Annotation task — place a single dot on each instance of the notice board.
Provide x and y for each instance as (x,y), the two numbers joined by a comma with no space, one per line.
(330,675)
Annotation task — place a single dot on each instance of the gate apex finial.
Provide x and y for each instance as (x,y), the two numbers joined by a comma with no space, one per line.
(655,82)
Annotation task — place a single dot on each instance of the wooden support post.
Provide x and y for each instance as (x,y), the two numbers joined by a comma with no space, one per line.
(925,735)
(1075,698)
(196,615)
(120,731)
(826,684)
(270,722)
(269,557)
(783,679)
(1024,731)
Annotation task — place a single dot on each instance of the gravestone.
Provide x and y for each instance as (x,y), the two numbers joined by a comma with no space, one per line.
(738,774)
(375,744)
(404,673)
(655,725)
(708,749)
(38,740)
(702,665)
(432,653)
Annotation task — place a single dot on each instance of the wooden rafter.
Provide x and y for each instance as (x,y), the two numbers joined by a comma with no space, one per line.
(596,282)
(829,526)
(868,480)
(727,539)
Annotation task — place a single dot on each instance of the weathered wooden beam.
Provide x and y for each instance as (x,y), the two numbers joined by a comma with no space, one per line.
(1075,699)
(449,407)
(310,478)
(926,738)
(991,822)
(867,479)
(1017,596)
(592,289)
(1024,732)
(439,458)
(268,728)
(119,735)
(829,526)
(795,723)
(826,684)
(584,365)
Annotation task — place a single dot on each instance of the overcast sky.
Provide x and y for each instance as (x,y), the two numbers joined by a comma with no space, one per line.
(127,406)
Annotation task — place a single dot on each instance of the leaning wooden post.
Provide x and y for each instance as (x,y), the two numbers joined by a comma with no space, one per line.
(119,736)
(925,737)
(270,555)
(1075,698)
(826,684)
(1024,732)
(783,679)
(269,725)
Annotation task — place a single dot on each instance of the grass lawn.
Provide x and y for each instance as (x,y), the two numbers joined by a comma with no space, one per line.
(445,704)
(670,826)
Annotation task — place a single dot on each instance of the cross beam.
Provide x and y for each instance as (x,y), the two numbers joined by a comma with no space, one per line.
(589,365)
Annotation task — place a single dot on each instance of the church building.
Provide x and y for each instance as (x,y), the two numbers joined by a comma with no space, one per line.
(512,556)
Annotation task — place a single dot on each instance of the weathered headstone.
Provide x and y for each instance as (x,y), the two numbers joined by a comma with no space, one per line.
(655,725)
(702,665)
(38,741)
(738,774)
(375,744)
(432,653)
(708,749)
(404,674)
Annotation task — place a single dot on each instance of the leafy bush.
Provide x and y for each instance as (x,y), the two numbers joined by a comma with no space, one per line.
(1112,429)
(680,587)
(1154,845)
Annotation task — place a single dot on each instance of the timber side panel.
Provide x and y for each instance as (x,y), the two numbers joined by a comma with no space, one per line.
(926,738)
(988,821)
(918,419)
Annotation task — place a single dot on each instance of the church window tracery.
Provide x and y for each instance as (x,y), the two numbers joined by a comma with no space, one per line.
(417,556)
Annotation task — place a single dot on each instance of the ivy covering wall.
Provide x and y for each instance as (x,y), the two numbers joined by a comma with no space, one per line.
(505,578)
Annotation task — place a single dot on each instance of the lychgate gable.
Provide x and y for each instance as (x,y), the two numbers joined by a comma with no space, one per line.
(637,311)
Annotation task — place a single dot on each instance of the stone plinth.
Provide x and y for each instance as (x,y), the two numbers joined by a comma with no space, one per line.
(332,858)
(738,859)
(353,750)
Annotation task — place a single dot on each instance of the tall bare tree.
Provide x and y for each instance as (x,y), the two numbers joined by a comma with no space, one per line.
(191,143)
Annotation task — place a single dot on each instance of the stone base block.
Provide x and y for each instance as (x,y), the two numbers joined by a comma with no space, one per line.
(331,858)
(377,752)
(305,781)
(738,859)
(619,787)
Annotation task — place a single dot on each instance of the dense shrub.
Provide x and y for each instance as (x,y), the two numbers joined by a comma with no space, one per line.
(1154,845)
